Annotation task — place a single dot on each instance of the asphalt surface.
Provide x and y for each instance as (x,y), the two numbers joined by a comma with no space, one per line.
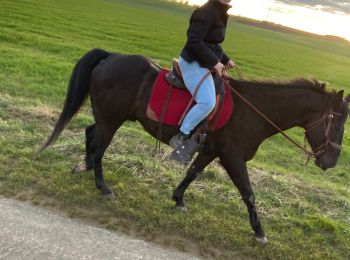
(28,232)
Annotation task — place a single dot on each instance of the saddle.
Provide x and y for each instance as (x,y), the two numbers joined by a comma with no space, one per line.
(170,101)
(174,78)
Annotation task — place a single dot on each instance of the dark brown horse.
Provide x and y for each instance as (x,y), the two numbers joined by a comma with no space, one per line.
(120,86)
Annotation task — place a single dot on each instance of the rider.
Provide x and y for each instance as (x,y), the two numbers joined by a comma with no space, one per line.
(201,53)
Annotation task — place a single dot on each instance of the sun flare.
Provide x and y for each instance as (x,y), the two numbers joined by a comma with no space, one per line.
(303,18)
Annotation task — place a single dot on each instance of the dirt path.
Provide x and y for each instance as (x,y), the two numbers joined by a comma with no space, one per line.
(28,232)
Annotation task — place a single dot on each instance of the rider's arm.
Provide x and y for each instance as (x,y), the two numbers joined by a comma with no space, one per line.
(225,58)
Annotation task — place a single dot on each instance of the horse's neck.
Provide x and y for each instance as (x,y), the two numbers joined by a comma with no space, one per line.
(286,106)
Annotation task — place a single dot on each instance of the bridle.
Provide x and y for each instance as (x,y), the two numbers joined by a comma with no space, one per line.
(326,120)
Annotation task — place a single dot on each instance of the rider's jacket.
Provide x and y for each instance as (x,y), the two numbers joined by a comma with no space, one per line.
(205,33)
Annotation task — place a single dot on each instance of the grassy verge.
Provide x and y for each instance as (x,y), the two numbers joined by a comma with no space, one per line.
(305,212)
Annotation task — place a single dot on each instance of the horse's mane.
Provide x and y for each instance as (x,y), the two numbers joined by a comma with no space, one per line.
(312,84)
(294,83)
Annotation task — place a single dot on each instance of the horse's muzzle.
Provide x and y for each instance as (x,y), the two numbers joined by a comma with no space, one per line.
(325,164)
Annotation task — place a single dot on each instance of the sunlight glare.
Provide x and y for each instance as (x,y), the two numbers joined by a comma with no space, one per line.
(302,18)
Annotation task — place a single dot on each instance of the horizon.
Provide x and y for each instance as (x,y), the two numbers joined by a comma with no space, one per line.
(319,17)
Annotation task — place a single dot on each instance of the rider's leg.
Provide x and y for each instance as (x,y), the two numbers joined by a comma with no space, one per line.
(192,74)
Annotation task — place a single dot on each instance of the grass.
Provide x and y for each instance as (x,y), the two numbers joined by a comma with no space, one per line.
(305,212)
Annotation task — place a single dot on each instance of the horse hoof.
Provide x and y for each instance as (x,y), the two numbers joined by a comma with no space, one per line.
(261,240)
(108,196)
(181,208)
(80,167)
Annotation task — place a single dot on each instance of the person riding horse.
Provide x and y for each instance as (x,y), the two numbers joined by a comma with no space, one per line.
(202,53)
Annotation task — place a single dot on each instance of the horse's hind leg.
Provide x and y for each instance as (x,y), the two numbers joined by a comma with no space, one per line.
(102,138)
(88,163)
(89,134)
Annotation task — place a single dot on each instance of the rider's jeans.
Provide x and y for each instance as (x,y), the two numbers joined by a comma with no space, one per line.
(205,98)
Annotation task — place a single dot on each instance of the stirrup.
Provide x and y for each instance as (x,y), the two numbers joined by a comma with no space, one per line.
(185,151)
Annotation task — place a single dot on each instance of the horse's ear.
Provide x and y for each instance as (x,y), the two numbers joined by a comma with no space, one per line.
(347,99)
(338,99)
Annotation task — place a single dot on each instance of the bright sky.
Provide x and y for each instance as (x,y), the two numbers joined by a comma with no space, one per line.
(331,17)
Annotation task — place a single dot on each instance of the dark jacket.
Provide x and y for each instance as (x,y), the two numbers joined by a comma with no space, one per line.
(207,29)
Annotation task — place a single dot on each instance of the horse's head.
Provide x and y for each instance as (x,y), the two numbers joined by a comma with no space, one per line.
(325,135)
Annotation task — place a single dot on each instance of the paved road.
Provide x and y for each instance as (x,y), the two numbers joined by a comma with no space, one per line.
(28,232)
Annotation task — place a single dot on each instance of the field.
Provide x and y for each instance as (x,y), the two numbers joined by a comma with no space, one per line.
(305,211)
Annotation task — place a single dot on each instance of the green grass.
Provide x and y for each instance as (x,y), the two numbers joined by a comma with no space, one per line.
(305,211)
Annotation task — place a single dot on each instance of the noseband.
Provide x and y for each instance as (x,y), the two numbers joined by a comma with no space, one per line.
(326,120)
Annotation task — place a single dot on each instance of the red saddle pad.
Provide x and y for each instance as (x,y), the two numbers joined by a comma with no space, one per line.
(178,101)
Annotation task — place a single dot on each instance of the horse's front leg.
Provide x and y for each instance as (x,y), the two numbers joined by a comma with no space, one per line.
(197,167)
(237,170)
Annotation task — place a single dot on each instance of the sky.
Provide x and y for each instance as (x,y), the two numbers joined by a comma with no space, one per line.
(325,17)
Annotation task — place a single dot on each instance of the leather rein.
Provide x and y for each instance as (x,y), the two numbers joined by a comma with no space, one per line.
(326,120)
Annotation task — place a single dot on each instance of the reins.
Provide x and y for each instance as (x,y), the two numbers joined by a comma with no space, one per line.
(327,115)
(308,153)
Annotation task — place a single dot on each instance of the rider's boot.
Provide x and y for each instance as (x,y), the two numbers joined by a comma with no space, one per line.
(178,139)
(184,148)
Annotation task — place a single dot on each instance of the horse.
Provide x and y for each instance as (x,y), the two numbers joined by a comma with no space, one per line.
(120,85)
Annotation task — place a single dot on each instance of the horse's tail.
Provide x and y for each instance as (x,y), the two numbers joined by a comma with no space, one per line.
(78,91)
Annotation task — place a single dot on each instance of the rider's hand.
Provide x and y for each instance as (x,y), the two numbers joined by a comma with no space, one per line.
(230,64)
(219,67)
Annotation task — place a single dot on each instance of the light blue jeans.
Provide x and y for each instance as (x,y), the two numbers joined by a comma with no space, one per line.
(205,98)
